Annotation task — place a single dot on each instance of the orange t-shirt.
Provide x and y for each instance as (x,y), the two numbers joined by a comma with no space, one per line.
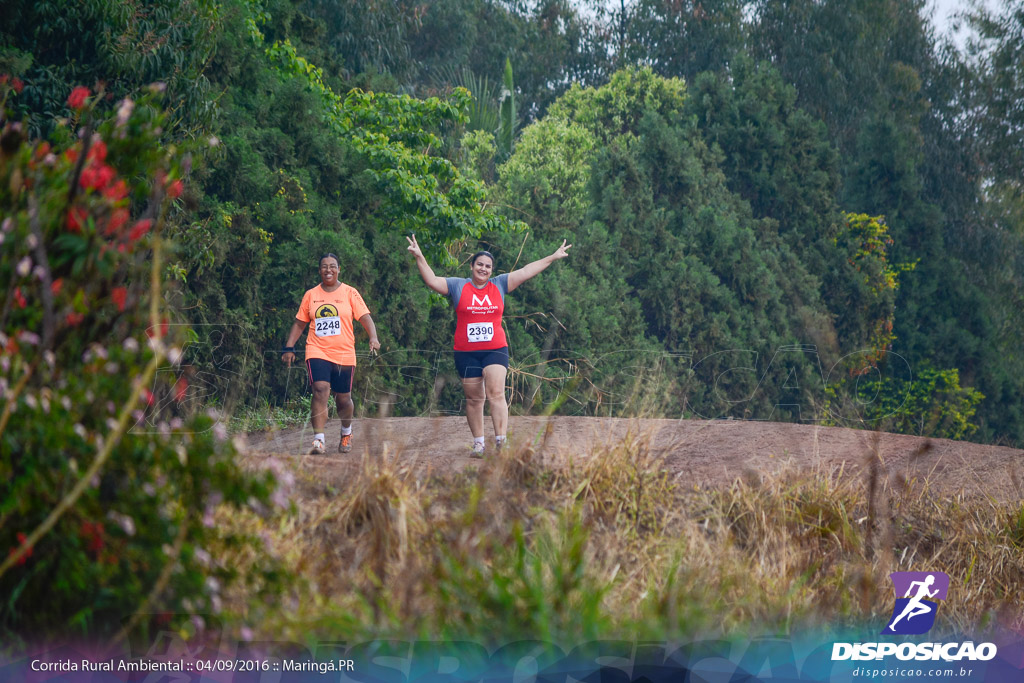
(330,336)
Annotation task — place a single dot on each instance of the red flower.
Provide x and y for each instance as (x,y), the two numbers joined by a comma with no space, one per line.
(163,329)
(76,219)
(42,150)
(71,154)
(74,319)
(106,174)
(149,396)
(93,533)
(17,85)
(96,177)
(4,78)
(140,229)
(118,190)
(22,538)
(56,285)
(174,189)
(180,389)
(117,219)
(76,100)
(88,178)
(20,298)
(119,296)
(98,151)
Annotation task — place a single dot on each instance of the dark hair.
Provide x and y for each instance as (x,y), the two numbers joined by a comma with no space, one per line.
(329,255)
(472,261)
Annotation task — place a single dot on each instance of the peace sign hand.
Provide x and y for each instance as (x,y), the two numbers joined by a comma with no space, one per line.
(414,247)
(561,252)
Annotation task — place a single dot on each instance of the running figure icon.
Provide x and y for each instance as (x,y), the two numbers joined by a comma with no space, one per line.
(914,612)
(915,607)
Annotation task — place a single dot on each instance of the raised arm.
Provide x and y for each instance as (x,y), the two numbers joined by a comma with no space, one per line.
(436,283)
(518,277)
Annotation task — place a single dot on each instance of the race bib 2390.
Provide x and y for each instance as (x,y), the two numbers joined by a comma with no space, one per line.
(480,332)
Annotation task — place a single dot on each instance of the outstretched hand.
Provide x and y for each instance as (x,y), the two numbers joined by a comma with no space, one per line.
(414,247)
(561,252)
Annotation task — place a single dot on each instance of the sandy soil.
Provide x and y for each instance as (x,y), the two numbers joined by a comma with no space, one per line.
(707,453)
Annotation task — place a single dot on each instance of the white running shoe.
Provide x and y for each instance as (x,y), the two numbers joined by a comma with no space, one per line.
(318,448)
(478,450)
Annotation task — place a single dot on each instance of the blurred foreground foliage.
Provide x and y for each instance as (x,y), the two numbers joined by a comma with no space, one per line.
(107,485)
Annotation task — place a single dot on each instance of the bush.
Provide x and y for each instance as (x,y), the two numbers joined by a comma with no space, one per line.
(931,404)
(108,485)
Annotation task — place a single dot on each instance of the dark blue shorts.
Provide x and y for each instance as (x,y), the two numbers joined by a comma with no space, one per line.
(472,363)
(340,376)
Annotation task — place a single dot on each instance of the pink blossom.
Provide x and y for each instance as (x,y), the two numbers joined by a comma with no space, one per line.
(124,111)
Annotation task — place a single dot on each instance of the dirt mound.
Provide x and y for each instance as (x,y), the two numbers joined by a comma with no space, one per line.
(706,453)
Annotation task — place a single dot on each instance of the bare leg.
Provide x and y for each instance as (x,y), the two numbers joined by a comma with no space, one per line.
(494,383)
(474,388)
(346,408)
(318,406)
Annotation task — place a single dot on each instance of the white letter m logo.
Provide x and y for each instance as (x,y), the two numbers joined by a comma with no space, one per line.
(486,301)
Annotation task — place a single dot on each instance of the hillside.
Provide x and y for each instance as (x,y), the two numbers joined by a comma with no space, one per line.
(707,453)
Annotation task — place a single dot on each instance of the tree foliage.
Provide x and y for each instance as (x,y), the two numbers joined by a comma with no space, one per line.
(333,128)
(123,45)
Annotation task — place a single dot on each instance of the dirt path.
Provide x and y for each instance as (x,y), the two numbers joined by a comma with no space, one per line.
(708,453)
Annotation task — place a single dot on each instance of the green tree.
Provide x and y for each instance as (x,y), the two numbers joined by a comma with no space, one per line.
(672,260)
(126,46)
(300,170)
(998,47)
(682,38)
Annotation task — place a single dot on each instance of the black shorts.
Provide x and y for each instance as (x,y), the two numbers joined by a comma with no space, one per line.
(340,376)
(472,363)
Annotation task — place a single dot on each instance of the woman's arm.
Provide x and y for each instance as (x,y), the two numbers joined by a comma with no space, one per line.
(436,283)
(367,322)
(293,336)
(518,277)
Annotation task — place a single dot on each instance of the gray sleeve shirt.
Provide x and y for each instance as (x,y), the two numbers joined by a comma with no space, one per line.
(455,285)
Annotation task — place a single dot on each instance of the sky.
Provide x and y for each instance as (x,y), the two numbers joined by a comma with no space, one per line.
(944,10)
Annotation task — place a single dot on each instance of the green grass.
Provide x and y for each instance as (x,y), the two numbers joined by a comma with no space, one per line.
(265,417)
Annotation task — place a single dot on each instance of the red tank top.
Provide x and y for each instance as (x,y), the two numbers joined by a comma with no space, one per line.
(478,318)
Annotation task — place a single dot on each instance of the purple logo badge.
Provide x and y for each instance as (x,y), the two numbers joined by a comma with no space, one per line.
(916,595)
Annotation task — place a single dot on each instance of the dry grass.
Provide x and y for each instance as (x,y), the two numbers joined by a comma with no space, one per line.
(608,546)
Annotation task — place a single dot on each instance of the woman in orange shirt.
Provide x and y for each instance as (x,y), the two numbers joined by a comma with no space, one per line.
(330,348)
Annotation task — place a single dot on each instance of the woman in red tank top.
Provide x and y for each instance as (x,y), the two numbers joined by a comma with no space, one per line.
(481,351)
